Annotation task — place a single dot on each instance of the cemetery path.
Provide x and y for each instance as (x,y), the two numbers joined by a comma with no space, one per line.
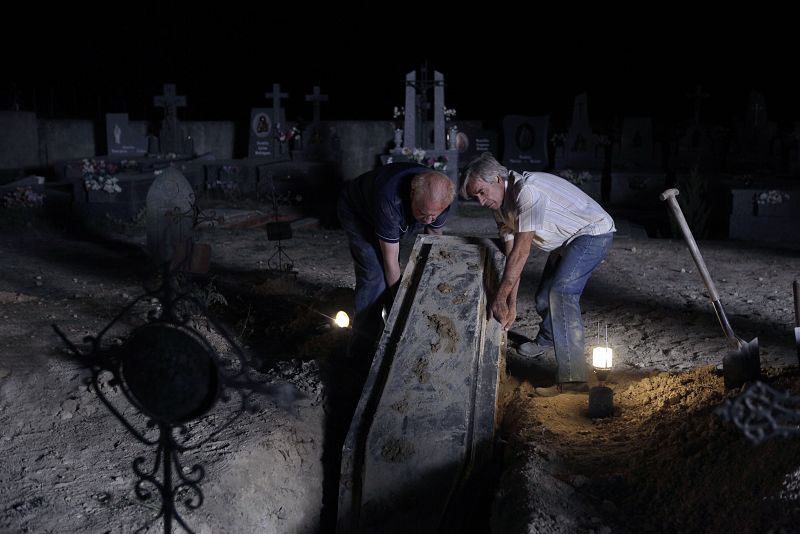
(664,461)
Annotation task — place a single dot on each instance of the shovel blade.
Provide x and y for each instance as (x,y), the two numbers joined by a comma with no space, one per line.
(742,365)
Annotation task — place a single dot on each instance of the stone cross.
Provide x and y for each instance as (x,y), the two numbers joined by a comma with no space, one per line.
(316,98)
(170,137)
(439,132)
(410,118)
(698,97)
(276,97)
(416,111)
(756,110)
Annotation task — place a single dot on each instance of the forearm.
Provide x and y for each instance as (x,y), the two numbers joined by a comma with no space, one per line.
(391,263)
(508,246)
(517,252)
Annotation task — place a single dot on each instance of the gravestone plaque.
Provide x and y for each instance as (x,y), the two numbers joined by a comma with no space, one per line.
(473,139)
(262,133)
(525,141)
(170,217)
(121,139)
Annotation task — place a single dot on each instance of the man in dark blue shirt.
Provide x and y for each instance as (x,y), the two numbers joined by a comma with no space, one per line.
(376,210)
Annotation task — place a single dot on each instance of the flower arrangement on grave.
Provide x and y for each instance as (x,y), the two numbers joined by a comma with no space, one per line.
(419,155)
(284,136)
(602,140)
(22,197)
(576,178)
(98,175)
(449,114)
(399,114)
(437,164)
(771,197)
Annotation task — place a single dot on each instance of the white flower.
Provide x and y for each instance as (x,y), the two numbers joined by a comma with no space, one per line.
(772,197)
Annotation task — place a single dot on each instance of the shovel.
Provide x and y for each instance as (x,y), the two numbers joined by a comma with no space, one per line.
(743,363)
(796,291)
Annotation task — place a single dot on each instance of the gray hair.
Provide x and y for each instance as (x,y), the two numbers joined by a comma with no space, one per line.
(485,168)
(434,185)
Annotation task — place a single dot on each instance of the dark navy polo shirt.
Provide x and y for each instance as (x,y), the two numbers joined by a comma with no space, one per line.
(382,198)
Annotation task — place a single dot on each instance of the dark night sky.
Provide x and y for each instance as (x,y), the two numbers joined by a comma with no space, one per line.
(495,62)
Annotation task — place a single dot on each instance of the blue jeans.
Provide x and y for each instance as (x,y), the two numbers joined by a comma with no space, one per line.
(370,282)
(558,302)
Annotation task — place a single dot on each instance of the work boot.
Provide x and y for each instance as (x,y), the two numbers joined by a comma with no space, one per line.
(550,391)
(539,370)
(532,348)
(573,387)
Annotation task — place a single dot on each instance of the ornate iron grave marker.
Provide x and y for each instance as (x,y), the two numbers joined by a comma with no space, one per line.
(173,377)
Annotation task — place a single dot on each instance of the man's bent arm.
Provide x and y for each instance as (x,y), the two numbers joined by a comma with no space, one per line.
(520,248)
(391,263)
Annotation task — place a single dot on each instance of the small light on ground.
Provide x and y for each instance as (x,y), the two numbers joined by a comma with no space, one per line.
(342,320)
(601,357)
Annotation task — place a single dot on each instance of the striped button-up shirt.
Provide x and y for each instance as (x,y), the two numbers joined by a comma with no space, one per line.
(555,210)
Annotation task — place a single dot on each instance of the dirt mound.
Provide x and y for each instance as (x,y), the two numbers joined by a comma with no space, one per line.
(665,461)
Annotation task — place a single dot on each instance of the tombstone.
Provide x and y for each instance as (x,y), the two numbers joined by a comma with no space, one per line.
(103,191)
(416,124)
(764,214)
(410,117)
(579,150)
(230,179)
(121,138)
(170,218)
(755,145)
(473,139)
(416,145)
(694,148)
(279,146)
(794,150)
(525,142)
(637,149)
(262,133)
(320,141)
(171,138)
(268,128)
(316,98)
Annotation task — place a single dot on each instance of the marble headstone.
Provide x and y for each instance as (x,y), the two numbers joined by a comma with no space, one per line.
(121,138)
(170,204)
(525,140)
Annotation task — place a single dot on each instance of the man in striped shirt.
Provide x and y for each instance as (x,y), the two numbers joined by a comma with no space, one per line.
(542,210)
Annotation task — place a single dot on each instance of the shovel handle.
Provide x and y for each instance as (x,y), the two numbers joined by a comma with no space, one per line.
(796,291)
(669,195)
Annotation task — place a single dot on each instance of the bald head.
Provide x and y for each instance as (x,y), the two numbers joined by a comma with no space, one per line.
(431,193)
